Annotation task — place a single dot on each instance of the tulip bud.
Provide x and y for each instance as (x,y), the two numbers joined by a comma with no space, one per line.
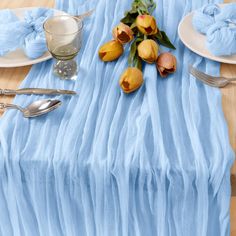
(111,50)
(131,79)
(146,24)
(148,50)
(166,64)
(123,33)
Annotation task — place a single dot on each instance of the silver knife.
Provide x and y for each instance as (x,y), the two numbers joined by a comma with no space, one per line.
(38,91)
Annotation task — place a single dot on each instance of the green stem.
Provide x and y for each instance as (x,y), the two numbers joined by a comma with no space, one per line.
(138,63)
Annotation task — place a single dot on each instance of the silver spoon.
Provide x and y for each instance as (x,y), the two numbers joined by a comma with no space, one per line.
(36,108)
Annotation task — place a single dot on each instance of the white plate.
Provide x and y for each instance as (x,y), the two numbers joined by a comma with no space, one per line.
(197,42)
(17,58)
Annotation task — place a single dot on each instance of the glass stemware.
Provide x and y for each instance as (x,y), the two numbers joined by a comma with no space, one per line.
(64,39)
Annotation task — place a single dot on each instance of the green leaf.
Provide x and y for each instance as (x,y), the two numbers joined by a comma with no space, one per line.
(150,4)
(133,25)
(134,28)
(134,59)
(133,50)
(163,39)
(129,18)
(152,8)
(145,6)
(137,62)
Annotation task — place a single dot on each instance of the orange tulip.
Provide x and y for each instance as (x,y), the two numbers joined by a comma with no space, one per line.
(111,51)
(146,24)
(131,79)
(123,33)
(148,50)
(166,64)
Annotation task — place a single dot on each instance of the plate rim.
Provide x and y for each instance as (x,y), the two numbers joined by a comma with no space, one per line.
(210,56)
(46,56)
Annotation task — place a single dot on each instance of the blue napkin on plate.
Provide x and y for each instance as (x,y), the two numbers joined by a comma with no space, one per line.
(219,25)
(27,34)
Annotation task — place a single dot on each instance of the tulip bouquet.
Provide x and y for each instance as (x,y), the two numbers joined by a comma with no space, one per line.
(139,27)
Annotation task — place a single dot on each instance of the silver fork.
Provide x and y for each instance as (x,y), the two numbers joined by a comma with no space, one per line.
(213,81)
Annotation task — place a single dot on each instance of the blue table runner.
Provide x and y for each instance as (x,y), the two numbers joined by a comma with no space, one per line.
(156,162)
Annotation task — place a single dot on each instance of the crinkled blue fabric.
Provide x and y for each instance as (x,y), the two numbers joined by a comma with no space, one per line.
(26,33)
(205,17)
(219,25)
(221,40)
(228,12)
(154,163)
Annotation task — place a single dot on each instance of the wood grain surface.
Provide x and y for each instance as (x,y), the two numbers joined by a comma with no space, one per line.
(229,105)
(12,78)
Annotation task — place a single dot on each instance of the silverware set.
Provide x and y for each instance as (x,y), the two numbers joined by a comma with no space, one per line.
(213,81)
(39,107)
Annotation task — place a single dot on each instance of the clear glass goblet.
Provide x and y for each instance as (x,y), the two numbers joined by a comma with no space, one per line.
(64,39)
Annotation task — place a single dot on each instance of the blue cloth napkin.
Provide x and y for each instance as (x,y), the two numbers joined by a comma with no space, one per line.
(27,34)
(219,25)
(152,163)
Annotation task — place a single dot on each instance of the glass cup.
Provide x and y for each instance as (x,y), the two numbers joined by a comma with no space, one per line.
(64,39)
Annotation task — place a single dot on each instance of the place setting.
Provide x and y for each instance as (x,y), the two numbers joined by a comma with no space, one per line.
(43,34)
(211,33)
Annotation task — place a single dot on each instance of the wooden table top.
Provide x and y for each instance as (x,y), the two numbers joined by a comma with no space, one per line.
(12,78)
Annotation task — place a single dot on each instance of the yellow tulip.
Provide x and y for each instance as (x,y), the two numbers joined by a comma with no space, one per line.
(131,79)
(148,50)
(123,33)
(146,24)
(166,64)
(111,50)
